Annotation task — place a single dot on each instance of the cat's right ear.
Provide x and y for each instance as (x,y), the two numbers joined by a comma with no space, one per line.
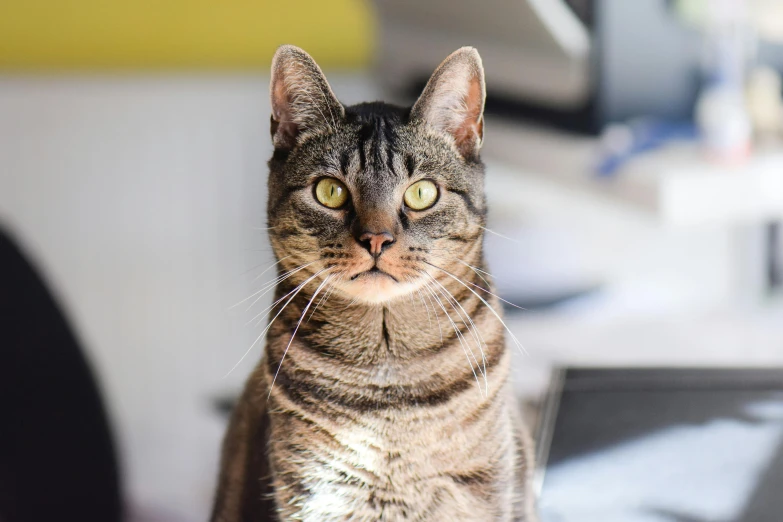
(302,100)
(453,101)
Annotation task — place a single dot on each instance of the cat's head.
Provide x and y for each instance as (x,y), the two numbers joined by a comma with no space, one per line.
(374,197)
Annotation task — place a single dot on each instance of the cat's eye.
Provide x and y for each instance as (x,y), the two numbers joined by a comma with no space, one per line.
(421,195)
(331,193)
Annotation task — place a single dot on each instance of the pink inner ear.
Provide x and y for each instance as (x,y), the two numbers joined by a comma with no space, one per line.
(281,104)
(284,129)
(469,130)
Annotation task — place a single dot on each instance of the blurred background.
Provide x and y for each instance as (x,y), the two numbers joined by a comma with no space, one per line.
(634,155)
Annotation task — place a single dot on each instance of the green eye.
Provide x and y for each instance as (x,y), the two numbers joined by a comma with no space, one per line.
(331,193)
(421,195)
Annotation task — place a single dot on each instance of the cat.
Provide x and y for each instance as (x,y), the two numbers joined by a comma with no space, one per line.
(383,391)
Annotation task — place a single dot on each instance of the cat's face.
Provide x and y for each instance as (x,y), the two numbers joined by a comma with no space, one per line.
(372,199)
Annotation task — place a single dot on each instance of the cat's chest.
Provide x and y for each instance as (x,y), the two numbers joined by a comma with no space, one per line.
(383,464)
(384,453)
(344,480)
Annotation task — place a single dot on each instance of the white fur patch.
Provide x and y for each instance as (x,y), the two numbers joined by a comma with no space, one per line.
(333,500)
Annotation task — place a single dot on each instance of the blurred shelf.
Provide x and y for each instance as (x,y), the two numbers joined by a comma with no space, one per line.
(678,185)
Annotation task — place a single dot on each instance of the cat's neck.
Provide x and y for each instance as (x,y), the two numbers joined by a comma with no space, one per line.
(403,329)
(411,350)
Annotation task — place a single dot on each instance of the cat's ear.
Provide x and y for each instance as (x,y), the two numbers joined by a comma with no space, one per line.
(453,100)
(302,100)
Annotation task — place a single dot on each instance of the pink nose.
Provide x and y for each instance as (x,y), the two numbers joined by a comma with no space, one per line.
(375,243)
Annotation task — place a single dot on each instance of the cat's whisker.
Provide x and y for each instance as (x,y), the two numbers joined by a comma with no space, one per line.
(458,334)
(434,311)
(272,284)
(476,270)
(268,287)
(256,278)
(264,288)
(259,317)
(497,296)
(482,288)
(315,309)
(257,267)
(472,327)
(264,332)
(454,300)
(334,286)
(304,312)
(450,300)
(457,279)
(479,273)
(329,289)
(421,298)
(410,297)
(351,303)
(498,234)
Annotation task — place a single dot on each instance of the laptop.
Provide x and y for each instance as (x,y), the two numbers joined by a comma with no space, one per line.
(661,445)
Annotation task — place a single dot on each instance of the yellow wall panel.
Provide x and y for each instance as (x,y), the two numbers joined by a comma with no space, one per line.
(117,34)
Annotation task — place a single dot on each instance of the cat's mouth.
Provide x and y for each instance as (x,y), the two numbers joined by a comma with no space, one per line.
(376,285)
(374,272)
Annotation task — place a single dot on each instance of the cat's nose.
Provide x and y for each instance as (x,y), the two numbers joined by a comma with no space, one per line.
(376,242)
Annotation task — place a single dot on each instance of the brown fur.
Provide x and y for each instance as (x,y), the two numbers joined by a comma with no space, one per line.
(382,406)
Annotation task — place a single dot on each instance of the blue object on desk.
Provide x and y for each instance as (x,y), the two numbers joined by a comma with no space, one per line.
(622,142)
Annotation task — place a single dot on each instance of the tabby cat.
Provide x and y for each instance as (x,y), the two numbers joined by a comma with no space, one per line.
(383,392)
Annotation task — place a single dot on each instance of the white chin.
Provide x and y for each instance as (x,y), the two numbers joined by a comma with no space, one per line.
(377,288)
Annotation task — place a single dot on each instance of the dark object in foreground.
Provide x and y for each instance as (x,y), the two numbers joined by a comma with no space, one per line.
(57,459)
(674,444)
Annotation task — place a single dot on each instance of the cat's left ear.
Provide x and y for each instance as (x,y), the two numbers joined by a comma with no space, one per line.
(302,100)
(453,100)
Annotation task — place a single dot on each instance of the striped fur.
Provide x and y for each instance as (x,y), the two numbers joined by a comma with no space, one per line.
(391,401)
